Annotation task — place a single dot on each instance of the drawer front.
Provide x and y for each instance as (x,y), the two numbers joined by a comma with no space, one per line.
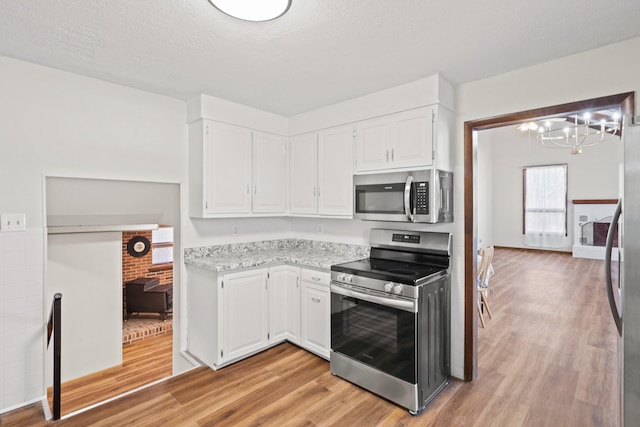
(314,276)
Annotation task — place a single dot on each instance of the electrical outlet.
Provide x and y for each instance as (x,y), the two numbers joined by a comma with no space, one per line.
(319,228)
(236,229)
(13,222)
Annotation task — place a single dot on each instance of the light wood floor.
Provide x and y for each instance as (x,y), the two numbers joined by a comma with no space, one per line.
(547,358)
(143,362)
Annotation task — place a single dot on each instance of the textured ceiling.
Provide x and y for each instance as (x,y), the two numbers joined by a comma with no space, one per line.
(319,53)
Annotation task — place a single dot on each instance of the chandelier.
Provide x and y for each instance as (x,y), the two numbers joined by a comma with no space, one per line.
(253,10)
(583,132)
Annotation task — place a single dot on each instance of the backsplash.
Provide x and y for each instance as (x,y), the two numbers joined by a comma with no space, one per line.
(352,251)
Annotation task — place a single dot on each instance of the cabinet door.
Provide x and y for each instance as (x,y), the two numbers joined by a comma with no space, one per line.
(245,316)
(228,168)
(269,173)
(304,174)
(284,304)
(335,171)
(316,317)
(372,144)
(412,139)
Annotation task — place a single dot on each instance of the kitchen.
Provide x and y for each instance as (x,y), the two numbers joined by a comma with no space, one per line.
(142,136)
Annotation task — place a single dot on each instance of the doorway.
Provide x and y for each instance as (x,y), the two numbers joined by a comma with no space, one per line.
(624,101)
(147,284)
(87,220)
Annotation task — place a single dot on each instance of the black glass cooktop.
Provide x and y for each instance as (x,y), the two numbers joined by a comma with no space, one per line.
(384,269)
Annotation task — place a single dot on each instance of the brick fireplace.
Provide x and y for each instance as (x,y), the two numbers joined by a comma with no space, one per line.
(141,327)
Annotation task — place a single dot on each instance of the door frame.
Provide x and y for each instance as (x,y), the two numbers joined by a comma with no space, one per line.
(626,102)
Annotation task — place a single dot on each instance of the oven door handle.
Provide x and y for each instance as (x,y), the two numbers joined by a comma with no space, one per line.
(405,305)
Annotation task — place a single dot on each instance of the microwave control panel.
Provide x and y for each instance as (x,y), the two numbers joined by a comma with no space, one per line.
(422,198)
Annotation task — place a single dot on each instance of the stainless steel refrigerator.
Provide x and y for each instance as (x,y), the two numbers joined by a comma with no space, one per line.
(623,279)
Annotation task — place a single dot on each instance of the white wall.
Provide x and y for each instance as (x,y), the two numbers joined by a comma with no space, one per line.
(484,186)
(86,268)
(21,318)
(61,124)
(351,231)
(591,175)
(56,123)
(573,78)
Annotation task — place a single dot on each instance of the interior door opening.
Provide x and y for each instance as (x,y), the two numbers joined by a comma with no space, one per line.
(95,227)
(624,101)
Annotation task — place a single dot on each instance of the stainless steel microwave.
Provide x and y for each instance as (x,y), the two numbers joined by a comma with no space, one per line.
(414,196)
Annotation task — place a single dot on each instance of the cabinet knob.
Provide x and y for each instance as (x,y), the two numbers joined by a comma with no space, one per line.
(315,300)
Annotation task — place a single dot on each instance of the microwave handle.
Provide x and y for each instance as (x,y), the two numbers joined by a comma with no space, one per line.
(408,187)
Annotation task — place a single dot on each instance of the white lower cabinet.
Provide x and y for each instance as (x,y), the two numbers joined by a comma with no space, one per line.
(234,315)
(284,304)
(315,309)
(245,313)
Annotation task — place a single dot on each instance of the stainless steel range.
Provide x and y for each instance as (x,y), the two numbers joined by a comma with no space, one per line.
(390,317)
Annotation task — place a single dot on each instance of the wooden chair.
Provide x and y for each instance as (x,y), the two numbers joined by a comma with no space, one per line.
(485,270)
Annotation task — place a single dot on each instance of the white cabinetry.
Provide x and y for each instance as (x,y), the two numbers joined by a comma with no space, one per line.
(269,173)
(415,138)
(234,171)
(315,301)
(304,174)
(219,169)
(284,304)
(234,315)
(322,173)
(335,171)
(245,313)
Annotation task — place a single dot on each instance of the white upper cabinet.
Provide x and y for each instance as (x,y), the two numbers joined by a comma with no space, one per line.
(228,175)
(235,171)
(412,138)
(269,173)
(335,171)
(373,141)
(303,180)
(402,140)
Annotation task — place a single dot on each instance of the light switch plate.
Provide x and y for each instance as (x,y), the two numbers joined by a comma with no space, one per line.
(13,222)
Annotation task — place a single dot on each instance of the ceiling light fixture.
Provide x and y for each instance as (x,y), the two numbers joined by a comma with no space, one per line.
(253,10)
(583,132)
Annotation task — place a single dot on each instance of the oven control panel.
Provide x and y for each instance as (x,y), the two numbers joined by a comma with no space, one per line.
(377,287)
(345,278)
(395,288)
(406,238)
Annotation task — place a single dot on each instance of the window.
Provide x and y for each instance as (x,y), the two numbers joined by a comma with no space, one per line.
(545,206)
(162,245)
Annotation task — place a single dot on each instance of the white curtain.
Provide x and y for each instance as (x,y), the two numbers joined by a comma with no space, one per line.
(545,210)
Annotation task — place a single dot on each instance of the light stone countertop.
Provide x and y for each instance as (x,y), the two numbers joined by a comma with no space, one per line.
(308,253)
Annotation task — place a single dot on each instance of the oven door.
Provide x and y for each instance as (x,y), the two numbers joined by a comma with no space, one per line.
(375,329)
